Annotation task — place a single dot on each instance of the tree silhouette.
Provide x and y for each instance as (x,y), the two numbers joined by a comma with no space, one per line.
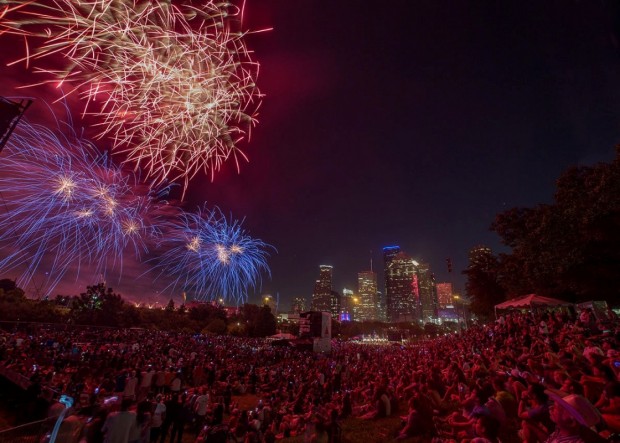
(571,248)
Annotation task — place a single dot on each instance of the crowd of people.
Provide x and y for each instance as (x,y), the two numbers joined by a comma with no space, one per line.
(531,377)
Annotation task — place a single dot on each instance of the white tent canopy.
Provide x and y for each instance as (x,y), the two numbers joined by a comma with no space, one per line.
(282,336)
(531,301)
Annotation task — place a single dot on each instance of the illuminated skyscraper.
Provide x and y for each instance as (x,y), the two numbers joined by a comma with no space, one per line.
(368,297)
(444,294)
(401,287)
(346,305)
(322,295)
(427,294)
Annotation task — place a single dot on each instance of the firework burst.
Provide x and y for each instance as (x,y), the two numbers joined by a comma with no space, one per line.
(211,257)
(66,206)
(174,87)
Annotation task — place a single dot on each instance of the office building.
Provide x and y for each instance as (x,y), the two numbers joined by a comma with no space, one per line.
(368,301)
(401,286)
(444,294)
(428,305)
(322,294)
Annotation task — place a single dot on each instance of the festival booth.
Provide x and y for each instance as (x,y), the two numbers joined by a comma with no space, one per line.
(532,302)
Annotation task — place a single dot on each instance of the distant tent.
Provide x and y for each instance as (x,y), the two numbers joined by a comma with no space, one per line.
(531,301)
(283,336)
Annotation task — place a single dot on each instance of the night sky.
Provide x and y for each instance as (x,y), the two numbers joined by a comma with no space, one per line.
(411,123)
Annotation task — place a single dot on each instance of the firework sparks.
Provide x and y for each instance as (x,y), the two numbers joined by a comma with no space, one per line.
(66,206)
(211,257)
(174,87)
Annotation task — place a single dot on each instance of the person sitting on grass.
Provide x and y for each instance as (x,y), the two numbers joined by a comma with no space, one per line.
(418,422)
(536,423)
(575,418)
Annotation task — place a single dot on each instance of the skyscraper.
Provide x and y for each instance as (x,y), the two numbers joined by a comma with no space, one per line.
(427,291)
(381,310)
(368,300)
(322,295)
(346,305)
(400,285)
(444,294)
(334,304)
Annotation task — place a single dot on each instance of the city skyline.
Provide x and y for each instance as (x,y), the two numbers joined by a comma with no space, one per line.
(411,291)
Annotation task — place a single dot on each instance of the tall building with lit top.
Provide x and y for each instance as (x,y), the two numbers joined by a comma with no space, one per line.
(347,305)
(368,296)
(322,294)
(401,285)
(444,294)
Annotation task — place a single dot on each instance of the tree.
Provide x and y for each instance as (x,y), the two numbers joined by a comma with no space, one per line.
(7,284)
(10,293)
(97,306)
(216,326)
(204,312)
(259,321)
(483,286)
(569,249)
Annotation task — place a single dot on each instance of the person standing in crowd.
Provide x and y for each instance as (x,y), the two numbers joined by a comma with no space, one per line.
(160,380)
(184,414)
(143,420)
(159,414)
(175,384)
(130,386)
(146,382)
(119,426)
(200,407)
(173,408)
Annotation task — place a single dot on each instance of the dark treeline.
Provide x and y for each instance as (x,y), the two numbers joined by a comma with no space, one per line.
(101,306)
(568,249)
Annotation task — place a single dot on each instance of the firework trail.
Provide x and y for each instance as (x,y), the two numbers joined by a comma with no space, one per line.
(66,206)
(173,86)
(210,257)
